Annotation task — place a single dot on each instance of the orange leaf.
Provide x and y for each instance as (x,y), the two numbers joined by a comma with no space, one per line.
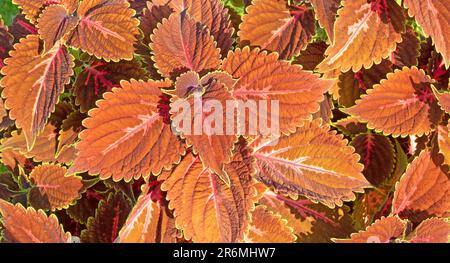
(268,227)
(434,18)
(126,137)
(384,230)
(205,208)
(213,15)
(326,11)
(32,8)
(263,77)
(423,189)
(214,147)
(148,222)
(444,143)
(407,52)
(270,25)
(401,105)
(443,100)
(106,29)
(314,162)
(361,37)
(33,82)
(433,230)
(180,44)
(55,190)
(30,226)
(151,17)
(54,24)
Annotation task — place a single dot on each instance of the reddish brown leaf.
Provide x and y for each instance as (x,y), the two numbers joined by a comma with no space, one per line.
(32,84)
(424,188)
(270,25)
(313,162)
(350,126)
(6,41)
(106,29)
(30,226)
(205,208)
(312,55)
(384,230)
(361,37)
(109,219)
(434,18)
(377,156)
(151,17)
(407,52)
(180,44)
(326,11)
(126,137)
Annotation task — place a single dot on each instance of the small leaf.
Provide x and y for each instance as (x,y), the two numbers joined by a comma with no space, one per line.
(58,190)
(22,225)
(407,52)
(384,230)
(32,8)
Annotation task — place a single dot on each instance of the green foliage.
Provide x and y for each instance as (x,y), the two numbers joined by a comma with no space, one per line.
(7,11)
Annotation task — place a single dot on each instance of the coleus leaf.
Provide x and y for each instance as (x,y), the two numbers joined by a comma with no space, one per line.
(149,222)
(312,55)
(106,29)
(151,17)
(53,189)
(326,11)
(423,189)
(30,226)
(126,137)
(362,37)
(443,100)
(350,126)
(214,148)
(270,25)
(434,18)
(213,15)
(54,24)
(377,156)
(32,84)
(32,8)
(384,230)
(268,227)
(98,77)
(6,41)
(68,136)
(314,162)
(433,230)
(263,76)
(443,138)
(85,207)
(207,209)
(407,52)
(181,44)
(401,105)
(109,218)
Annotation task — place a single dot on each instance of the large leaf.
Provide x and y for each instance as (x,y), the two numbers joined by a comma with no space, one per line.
(377,156)
(148,222)
(53,189)
(362,37)
(424,189)
(433,230)
(207,209)
(263,77)
(270,25)
(213,15)
(313,162)
(326,11)
(22,225)
(434,18)
(126,137)
(106,29)
(401,105)
(268,227)
(384,230)
(109,219)
(32,84)
(180,44)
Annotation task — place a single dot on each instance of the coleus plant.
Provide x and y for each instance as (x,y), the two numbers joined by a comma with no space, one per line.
(90,150)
